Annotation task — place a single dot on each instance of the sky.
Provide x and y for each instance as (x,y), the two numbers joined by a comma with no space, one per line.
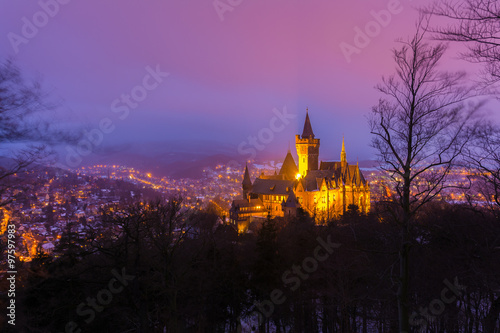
(162,71)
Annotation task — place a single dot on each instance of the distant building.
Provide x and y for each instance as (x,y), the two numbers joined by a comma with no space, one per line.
(323,190)
(48,247)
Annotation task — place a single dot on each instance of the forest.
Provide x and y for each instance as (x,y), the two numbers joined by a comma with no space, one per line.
(173,271)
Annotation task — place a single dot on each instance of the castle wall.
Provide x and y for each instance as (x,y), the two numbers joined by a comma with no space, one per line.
(272,203)
(333,202)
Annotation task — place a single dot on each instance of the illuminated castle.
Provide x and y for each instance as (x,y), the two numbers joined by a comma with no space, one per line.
(323,190)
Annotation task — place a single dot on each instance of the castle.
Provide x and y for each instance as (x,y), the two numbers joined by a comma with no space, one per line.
(323,190)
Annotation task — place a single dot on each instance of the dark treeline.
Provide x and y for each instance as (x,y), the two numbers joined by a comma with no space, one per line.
(175,271)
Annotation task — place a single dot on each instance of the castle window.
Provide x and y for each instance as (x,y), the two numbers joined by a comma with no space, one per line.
(303,160)
(323,199)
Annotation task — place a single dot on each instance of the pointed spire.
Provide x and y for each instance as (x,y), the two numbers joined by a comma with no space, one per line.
(246,184)
(246,178)
(307,132)
(343,155)
(358,172)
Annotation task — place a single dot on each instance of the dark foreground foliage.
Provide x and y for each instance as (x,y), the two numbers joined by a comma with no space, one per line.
(173,271)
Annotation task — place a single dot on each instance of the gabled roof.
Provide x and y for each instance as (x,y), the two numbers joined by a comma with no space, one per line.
(289,168)
(272,186)
(313,179)
(307,132)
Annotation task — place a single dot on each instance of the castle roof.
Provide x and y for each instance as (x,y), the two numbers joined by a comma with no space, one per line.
(272,186)
(289,168)
(329,165)
(307,132)
(312,181)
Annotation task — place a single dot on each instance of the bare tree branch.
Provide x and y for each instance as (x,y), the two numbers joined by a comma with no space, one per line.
(476,23)
(26,130)
(420,130)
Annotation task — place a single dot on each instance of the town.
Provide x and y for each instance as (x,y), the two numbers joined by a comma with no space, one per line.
(52,201)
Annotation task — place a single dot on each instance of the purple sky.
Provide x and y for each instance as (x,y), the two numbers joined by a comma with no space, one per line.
(225,76)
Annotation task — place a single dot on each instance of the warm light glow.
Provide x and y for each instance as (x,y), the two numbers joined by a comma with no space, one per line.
(241,228)
(297,176)
(5,221)
(149,175)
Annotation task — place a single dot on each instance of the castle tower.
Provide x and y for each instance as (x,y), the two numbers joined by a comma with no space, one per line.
(307,148)
(343,156)
(246,184)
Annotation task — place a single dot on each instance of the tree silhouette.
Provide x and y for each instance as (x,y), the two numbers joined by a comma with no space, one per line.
(483,159)
(475,23)
(24,112)
(420,130)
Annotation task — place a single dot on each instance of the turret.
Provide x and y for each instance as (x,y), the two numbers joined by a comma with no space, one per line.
(246,184)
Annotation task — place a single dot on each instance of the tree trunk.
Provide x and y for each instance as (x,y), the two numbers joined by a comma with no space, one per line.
(365,329)
(404,325)
(404,258)
(492,317)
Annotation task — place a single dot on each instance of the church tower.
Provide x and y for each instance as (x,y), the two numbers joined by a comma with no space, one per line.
(307,148)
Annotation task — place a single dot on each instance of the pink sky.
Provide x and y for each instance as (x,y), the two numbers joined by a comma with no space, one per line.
(226,76)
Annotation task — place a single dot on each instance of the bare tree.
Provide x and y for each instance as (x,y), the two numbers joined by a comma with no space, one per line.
(26,133)
(420,130)
(483,157)
(475,23)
